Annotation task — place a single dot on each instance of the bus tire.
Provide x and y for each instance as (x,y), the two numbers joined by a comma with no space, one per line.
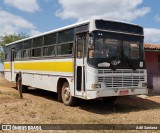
(67,99)
(109,100)
(21,88)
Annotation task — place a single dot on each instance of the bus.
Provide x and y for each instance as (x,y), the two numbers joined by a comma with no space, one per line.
(92,59)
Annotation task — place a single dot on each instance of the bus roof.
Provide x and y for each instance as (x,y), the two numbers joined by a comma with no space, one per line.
(52,31)
(68,27)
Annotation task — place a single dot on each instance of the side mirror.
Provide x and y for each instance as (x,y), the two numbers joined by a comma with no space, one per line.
(91,43)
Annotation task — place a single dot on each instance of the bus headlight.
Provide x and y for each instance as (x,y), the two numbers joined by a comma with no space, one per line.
(94,86)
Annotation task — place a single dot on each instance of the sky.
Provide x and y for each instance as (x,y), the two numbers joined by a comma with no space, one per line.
(33,17)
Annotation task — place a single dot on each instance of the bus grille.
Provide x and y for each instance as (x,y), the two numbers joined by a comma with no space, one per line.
(120,72)
(125,79)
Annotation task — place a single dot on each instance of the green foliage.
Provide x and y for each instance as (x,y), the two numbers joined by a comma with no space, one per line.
(9,38)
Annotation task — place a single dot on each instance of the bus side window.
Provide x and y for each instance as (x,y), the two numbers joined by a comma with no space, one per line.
(18,51)
(80,48)
(65,49)
(6,56)
(65,42)
(26,53)
(36,52)
(49,51)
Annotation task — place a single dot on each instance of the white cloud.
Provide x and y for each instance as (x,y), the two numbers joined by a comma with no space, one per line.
(157,18)
(35,32)
(152,35)
(126,10)
(24,5)
(10,23)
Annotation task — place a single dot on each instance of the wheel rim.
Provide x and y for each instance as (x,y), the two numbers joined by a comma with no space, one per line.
(66,95)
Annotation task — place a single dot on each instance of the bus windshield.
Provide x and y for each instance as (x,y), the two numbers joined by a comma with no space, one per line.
(131,49)
(111,48)
(106,48)
(120,48)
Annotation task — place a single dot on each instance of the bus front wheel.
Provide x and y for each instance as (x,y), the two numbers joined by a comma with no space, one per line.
(66,95)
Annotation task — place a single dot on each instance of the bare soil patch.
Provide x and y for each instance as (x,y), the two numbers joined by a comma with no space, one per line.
(42,107)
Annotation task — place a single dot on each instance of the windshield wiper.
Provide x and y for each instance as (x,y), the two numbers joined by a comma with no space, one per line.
(116,61)
(112,66)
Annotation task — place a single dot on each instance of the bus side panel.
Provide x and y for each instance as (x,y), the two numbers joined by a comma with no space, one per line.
(27,79)
(37,81)
(32,79)
(49,82)
(53,70)
(45,74)
(7,71)
(7,75)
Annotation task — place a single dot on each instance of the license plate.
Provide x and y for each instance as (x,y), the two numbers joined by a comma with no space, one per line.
(124,92)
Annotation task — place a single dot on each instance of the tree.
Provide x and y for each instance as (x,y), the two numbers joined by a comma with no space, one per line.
(6,39)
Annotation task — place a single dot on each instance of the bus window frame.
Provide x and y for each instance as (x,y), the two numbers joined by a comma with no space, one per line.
(65,55)
(46,46)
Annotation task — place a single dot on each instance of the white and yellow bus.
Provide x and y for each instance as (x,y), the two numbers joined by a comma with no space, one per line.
(92,59)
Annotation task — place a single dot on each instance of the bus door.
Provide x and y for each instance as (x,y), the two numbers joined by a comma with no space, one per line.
(12,64)
(80,64)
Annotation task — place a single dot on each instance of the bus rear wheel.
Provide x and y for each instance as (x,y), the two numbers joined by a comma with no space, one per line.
(66,95)
(21,88)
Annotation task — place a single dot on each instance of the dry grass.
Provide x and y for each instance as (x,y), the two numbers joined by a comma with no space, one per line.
(42,107)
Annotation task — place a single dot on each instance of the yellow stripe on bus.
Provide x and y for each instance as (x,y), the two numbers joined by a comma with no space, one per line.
(6,65)
(42,66)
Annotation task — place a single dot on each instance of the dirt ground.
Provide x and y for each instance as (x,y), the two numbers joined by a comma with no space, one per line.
(42,107)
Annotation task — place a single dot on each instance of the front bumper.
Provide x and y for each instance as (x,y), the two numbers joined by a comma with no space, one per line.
(115,92)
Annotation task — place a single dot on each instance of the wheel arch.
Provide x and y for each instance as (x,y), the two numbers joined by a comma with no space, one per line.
(60,83)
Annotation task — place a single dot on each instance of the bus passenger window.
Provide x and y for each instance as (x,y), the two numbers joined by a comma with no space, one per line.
(70,48)
(65,49)
(50,39)
(24,53)
(6,56)
(37,42)
(49,51)
(36,52)
(17,54)
(80,48)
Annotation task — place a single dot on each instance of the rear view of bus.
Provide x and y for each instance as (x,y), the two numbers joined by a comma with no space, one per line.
(115,60)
